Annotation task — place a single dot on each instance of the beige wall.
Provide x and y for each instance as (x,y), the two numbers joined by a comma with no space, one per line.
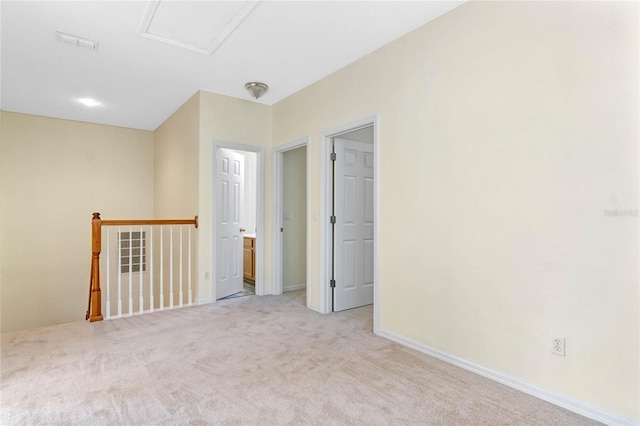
(55,173)
(176,162)
(294,206)
(184,164)
(507,132)
(230,120)
(507,129)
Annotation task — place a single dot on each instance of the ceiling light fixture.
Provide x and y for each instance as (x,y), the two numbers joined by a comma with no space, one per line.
(256,89)
(88,102)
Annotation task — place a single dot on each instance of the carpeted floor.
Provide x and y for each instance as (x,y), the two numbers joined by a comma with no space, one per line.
(248,289)
(251,361)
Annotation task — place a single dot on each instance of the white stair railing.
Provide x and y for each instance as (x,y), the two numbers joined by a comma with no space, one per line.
(149,266)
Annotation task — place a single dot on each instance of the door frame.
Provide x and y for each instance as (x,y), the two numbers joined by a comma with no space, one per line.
(278,196)
(325,211)
(217,144)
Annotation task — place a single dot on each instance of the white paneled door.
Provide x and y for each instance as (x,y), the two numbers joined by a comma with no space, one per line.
(353,229)
(229,207)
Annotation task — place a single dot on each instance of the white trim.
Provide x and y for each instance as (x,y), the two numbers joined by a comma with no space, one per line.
(294,287)
(556,398)
(217,144)
(325,212)
(376,223)
(276,240)
(278,164)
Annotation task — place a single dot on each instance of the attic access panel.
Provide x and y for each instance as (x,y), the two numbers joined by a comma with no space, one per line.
(199,26)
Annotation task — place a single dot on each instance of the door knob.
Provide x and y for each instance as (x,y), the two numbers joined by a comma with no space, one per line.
(242,229)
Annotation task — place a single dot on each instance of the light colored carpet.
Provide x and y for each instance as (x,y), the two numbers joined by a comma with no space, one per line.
(250,360)
(248,289)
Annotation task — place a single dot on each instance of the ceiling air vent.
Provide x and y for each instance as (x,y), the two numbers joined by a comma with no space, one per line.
(77,41)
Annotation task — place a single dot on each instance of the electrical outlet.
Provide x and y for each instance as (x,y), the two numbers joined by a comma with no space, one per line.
(558,346)
(206,275)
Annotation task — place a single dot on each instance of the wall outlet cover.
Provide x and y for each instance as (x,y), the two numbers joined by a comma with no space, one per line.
(558,346)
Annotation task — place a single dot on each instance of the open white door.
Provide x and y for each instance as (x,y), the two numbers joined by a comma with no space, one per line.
(353,230)
(229,207)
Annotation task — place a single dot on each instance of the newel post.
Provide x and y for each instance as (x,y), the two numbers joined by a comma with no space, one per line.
(96,247)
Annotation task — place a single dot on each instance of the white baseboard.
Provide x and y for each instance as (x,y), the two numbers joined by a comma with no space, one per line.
(293,287)
(204,301)
(556,398)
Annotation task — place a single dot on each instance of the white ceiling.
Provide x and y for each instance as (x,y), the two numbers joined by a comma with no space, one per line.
(141,81)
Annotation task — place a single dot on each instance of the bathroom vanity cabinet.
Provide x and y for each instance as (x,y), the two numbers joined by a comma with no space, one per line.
(249,259)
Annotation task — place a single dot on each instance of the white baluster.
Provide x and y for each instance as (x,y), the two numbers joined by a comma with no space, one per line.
(151,268)
(108,301)
(171,267)
(189,253)
(130,271)
(119,272)
(181,265)
(161,267)
(142,244)
(147,260)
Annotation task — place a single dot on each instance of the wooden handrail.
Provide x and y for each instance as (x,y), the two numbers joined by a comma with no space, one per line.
(125,222)
(94,308)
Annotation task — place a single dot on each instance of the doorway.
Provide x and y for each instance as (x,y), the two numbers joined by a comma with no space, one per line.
(352,220)
(237,220)
(291,212)
(350,217)
(294,219)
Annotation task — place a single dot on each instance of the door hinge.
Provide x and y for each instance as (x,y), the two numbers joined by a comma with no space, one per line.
(333,156)
(332,283)
(332,219)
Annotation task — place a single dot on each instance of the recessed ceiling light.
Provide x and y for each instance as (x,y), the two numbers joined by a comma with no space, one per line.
(88,102)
